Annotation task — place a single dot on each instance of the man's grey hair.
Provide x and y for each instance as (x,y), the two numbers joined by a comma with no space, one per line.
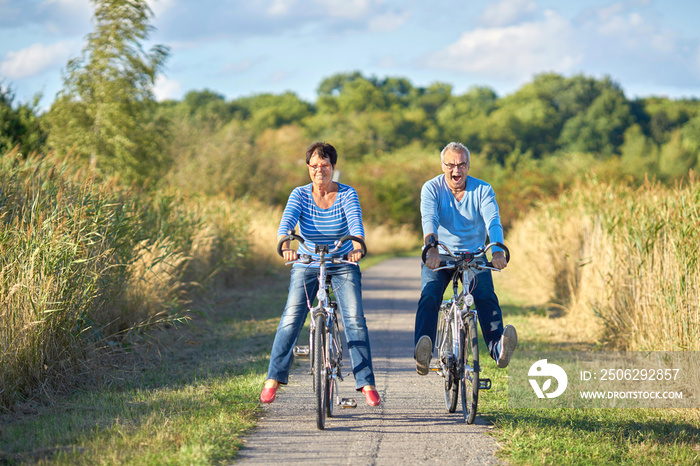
(454,147)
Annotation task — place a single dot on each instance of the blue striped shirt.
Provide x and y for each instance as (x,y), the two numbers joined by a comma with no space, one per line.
(323,226)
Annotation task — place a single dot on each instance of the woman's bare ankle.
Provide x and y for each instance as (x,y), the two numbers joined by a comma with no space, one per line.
(271,383)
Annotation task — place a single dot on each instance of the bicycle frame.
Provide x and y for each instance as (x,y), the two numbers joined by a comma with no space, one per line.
(457,342)
(454,314)
(325,346)
(326,309)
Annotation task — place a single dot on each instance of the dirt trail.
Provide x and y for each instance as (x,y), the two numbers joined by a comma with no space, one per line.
(410,427)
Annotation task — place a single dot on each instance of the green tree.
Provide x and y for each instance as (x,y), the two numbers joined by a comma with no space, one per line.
(19,125)
(269,111)
(105,112)
(675,160)
(601,127)
(639,154)
(462,118)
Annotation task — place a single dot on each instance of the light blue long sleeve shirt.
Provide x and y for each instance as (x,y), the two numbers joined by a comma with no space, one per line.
(462,225)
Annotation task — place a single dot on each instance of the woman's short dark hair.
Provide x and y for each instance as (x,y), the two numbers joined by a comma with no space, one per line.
(325,151)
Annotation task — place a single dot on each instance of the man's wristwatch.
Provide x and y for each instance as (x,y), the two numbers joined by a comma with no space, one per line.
(432,243)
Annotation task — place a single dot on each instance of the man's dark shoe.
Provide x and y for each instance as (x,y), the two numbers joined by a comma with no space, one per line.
(424,350)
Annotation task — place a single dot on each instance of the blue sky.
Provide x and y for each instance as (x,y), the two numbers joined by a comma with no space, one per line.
(245,47)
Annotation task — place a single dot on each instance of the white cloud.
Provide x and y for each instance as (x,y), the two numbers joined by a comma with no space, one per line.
(505,12)
(348,9)
(166,88)
(35,59)
(627,29)
(388,22)
(513,52)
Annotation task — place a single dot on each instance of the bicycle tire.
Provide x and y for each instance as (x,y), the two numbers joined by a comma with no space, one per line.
(320,378)
(452,376)
(312,356)
(334,357)
(469,377)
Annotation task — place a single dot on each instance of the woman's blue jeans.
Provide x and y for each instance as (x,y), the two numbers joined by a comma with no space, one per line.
(433,285)
(346,281)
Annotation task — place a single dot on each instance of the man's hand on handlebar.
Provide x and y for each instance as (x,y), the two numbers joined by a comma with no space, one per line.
(432,259)
(499,260)
(432,255)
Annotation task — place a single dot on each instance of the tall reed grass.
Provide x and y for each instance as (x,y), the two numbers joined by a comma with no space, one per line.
(623,263)
(86,263)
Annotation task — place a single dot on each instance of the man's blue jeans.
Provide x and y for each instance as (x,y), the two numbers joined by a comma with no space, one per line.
(346,281)
(433,285)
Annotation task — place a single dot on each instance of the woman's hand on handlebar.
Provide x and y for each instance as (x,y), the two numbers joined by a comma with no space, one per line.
(285,250)
(289,255)
(356,254)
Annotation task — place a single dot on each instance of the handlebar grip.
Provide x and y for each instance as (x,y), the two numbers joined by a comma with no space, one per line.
(291,236)
(363,246)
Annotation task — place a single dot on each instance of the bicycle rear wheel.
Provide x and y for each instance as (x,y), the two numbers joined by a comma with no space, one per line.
(469,377)
(320,375)
(452,375)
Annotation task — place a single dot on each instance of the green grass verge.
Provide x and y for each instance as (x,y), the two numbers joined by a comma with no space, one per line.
(191,405)
(581,436)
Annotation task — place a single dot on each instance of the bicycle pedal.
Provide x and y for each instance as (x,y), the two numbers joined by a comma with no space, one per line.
(348,403)
(301,351)
(484,384)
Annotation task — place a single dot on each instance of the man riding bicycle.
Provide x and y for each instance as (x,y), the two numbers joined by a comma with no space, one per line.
(461,211)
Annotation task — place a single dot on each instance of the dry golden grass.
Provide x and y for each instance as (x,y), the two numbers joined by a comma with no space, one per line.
(621,264)
(382,239)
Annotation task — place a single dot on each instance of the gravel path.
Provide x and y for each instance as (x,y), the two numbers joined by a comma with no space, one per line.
(410,427)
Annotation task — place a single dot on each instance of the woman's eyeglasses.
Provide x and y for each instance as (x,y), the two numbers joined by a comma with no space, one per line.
(316,168)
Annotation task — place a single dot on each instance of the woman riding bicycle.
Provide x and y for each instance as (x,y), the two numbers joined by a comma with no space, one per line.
(325,211)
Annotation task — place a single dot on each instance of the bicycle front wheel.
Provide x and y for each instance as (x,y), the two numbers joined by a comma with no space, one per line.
(452,375)
(320,378)
(469,379)
(333,350)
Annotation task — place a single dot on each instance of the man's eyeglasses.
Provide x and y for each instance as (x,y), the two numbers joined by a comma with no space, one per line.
(316,168)
(452,166)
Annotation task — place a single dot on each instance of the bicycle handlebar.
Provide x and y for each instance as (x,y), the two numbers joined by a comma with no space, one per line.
(291,236)
(467,256)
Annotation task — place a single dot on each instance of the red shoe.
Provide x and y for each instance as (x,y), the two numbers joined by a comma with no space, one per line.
(268,394)
(371,396)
